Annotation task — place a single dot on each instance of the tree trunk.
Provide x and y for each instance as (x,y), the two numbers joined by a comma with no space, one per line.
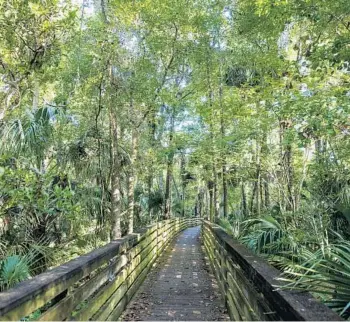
(224,190)
(267,192)
(256,185)
(169,173)
(167,198)
(209,198)
(183,180)
(258,179)
(152,138)
(149,191)
(200,197)
(264,179)
(223,156)
(216,193)
(289,173)
(115,177)
(132,181)
(287,165)
(213,184)
(211,201)
(244,200)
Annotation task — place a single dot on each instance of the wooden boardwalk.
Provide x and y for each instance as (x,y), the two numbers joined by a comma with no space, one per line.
(180,288)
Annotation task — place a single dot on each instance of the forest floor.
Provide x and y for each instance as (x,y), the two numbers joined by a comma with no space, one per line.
(181,287)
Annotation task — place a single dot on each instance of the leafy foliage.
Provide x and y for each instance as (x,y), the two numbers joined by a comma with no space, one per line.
(115,116)
(326,275)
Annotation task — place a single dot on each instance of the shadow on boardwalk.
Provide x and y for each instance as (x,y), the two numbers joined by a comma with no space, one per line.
(181,287)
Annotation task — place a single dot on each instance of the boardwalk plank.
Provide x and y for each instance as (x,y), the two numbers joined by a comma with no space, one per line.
(181,287)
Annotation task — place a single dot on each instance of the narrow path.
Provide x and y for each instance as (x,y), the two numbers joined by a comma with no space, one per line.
(180,287)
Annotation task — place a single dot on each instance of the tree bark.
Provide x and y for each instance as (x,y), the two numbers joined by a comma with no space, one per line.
(216,192)
(200,197)
(267,192)
(132,181)
(287,165)
(256,185)
(244,200)
(115,177)
(223,156)
(183,180)
(211,201)
(213,189)
(169,173)
(264,178)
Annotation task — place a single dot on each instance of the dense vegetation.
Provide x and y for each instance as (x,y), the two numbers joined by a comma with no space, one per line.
(116,114)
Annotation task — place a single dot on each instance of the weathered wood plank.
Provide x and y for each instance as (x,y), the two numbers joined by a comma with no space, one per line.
(118,310)
(134,273)
(142,244)
(138,259)
(134,280)
(62,309)
(141,250)
(287,305)
(130,272)
(100,298)
(115,305)
(232,308)
(106,309)
(243,304)
(30,295)
(140,278)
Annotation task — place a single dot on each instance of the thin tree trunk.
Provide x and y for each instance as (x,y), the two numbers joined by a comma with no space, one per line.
(256,195)
(211,201)
(100,179)
(264,179)
(258,179)
(289,172)
(200,197)
(206,204)
(281,179)
(115,178)
(216,194)
(149,190)
(224,190)
(132,181)
(169,173)
(244,200)
(251,207)
(267,192)
(287,165)
(223,150)
(183,180)
(152,137)
(213,189)
(303,177)
(256,186)
(167,198)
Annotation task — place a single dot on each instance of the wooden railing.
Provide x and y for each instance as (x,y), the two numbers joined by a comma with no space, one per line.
(95,286)
(251,287)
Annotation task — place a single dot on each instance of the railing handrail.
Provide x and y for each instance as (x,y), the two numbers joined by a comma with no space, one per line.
(288,304)
(36,292)
(69,272)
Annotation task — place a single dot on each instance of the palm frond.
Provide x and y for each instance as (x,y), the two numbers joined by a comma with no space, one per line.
(326,275)
(13,269)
